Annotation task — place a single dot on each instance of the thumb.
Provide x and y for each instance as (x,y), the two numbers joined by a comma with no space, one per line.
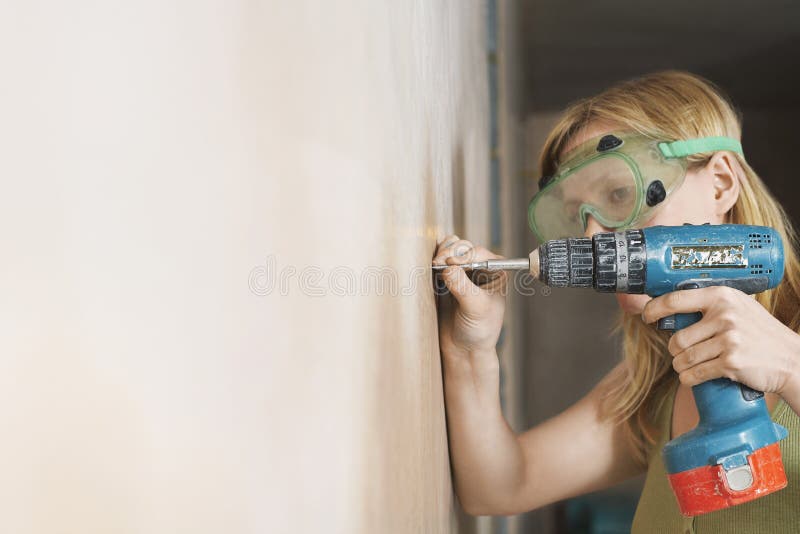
(457,282)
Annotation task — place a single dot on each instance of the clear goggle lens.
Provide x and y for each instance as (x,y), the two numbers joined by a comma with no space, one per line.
(607,189)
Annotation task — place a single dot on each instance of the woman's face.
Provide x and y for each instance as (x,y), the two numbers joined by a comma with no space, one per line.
(693,202)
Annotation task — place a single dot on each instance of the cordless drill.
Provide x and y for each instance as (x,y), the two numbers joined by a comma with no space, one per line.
(733,455)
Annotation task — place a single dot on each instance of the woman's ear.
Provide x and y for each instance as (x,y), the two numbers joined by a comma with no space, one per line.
(722,168)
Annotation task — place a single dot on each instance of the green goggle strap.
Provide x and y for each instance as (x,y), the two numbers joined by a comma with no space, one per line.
(681,149)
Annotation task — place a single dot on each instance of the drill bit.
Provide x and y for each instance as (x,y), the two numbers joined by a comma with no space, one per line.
(530,263)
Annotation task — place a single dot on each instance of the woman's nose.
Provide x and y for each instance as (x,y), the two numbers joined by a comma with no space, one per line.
(593,227)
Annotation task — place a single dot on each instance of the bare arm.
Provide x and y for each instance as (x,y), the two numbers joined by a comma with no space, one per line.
(500,473)
(488,461)
(496,471)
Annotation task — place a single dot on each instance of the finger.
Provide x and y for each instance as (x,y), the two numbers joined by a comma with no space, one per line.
(692,335)
(482,253)
(458,283)
(477,253)
(680,301)
(448,248)
(698,354)
(447,240)
(702,373)
(490,281)
(461,248)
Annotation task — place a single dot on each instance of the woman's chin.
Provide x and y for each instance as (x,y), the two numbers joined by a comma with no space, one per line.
(632,304)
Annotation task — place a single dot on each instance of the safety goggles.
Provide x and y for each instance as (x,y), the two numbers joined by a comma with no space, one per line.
(619,179)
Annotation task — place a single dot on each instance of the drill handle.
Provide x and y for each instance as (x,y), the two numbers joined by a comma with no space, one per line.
(704,391)
(746,284)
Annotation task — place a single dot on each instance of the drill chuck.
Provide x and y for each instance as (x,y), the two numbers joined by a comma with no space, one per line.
(608,261)
(566,262)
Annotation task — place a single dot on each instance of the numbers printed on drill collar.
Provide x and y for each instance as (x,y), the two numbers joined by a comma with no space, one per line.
(622,262)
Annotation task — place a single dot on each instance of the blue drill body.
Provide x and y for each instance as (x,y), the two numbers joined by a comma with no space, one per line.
(734,420)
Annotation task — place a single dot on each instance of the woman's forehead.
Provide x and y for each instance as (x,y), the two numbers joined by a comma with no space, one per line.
(590,131)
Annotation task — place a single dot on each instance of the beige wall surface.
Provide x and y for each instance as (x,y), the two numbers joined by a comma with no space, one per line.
(197,198)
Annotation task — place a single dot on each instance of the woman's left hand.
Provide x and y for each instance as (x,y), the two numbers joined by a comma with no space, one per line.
(737,338)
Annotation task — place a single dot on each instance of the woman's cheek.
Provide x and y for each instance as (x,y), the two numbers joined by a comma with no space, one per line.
(631,303)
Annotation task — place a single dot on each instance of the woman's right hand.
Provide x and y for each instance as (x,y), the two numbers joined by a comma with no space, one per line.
(470,315)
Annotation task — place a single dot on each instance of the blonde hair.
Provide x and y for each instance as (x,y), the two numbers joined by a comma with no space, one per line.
(673,105)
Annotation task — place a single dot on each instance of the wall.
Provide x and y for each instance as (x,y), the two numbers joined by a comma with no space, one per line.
(181,181)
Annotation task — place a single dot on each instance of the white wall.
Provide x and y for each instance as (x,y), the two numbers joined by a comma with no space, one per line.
(160,160)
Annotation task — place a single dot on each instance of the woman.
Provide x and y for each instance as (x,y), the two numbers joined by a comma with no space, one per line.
(618,429)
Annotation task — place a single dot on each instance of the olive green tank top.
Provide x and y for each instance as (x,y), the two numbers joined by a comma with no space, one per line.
(776,513)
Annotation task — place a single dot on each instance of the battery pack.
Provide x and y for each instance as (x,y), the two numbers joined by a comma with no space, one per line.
(709,488)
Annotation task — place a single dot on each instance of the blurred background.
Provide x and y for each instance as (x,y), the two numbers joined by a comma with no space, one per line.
(217,219)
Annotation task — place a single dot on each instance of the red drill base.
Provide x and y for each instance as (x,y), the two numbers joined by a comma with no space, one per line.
(705,489)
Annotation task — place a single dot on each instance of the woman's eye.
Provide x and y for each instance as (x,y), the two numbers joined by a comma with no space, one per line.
(620,195)
(571,210)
